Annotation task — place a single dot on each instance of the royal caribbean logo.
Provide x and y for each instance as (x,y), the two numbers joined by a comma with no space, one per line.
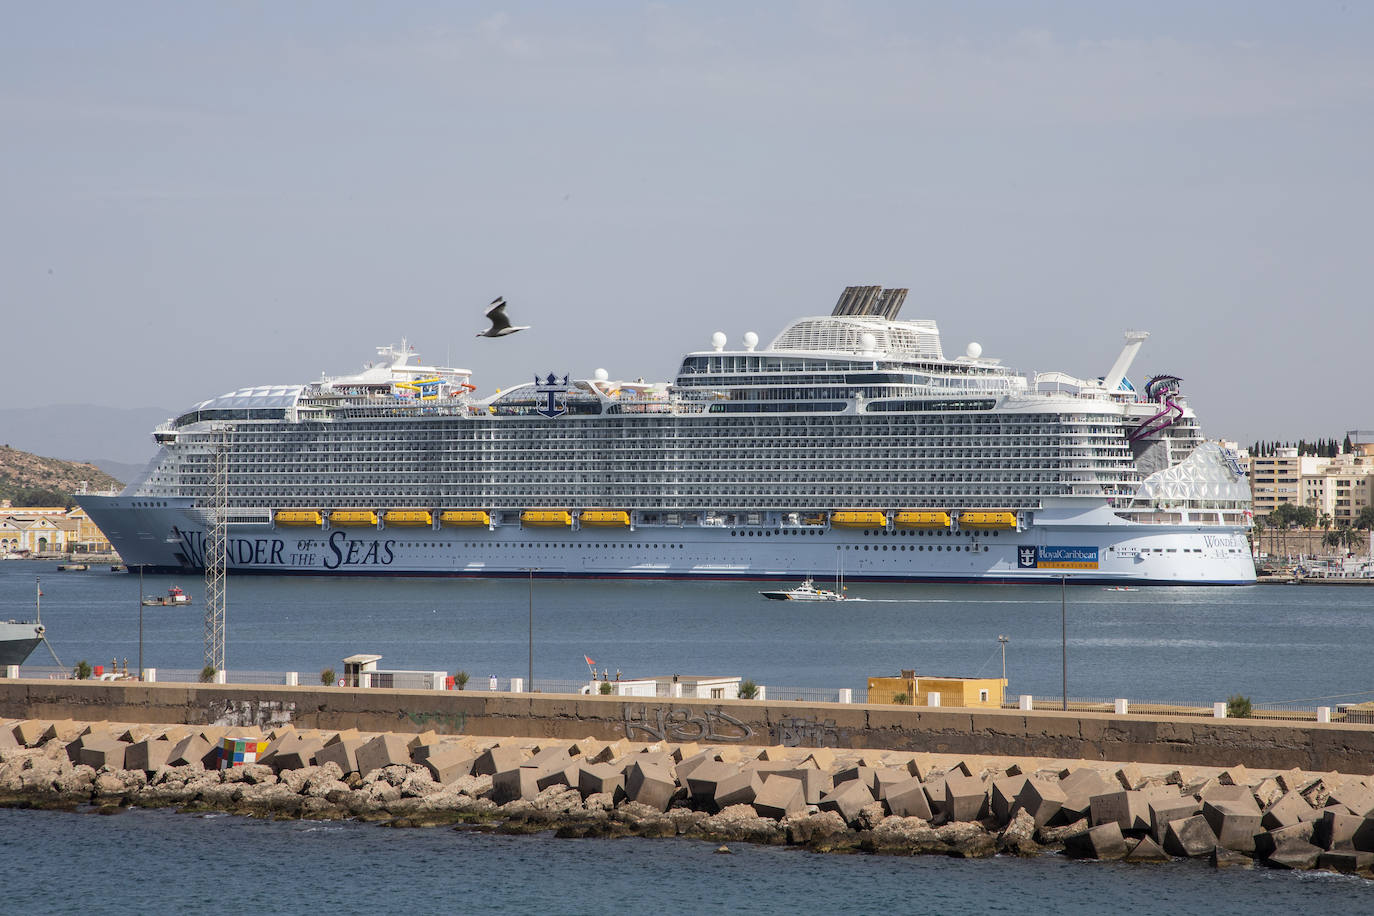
(551,389)
(1056,558)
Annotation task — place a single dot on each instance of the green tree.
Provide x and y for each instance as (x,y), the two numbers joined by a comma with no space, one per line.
(207,674)
(1365,520)
(902,699)
(748,690)
(460,679)
(83,670)
(1238,707)
(327,677)
(606,688)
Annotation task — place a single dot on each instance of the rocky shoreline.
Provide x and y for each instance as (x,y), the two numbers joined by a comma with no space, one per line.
(823,799)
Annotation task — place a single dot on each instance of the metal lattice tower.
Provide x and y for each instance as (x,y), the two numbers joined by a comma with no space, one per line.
(216,585)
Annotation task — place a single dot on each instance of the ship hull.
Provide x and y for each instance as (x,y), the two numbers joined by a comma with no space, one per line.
(169,536)
(17,642)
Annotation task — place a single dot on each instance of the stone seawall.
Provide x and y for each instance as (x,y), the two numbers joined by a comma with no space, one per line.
(1086,736)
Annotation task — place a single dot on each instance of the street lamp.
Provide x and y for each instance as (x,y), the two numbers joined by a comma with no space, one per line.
(531,570)
(1064,635)
(1004,640)
(140,621)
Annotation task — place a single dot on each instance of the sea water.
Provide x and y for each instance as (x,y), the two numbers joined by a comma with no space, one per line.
(162,862)
(1309,644)
(1272,643)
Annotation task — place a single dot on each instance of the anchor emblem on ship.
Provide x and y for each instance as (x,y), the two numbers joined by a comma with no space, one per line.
(1026,558)
(549,389)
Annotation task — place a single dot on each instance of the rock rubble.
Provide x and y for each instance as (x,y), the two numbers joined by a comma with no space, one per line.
(824,799)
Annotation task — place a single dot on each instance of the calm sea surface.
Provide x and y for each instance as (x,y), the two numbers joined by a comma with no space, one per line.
(1273,643)
(161,862)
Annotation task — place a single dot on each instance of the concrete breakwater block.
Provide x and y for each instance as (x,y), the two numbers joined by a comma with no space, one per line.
(847,799)
(1334,829)
(1104,841)
(193,750)
(908,799)
(650,784)
(600,778)
(1289,809)
(148,755)
(1041,799)
(1268,842)
(385,750)
(815,783)
(1079,787)
(779,797)
(1128,809)
(703,778)
(741,789)
(343,753)
(30,732)
(1235,823)
(1354,795)
(448,764)
(1145,849)
(497,758)
(515,783)
(7,739)
(1348,861)
(1190,837)
(1164,811)
(102,750)
(966,799)
(1002,798)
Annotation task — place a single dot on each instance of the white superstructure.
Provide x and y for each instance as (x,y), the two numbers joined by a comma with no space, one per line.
(850,440)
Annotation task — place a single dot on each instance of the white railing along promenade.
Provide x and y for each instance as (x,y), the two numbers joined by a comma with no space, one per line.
(1354,709)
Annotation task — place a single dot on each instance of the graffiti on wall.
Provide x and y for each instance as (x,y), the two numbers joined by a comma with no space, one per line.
(800,732)
(662,723)
(250,713)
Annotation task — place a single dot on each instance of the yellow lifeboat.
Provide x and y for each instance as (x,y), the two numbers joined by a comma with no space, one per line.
(988,521)
(465,518)
(921,520)
(352,518)
(546,518)
(408,518)
(605,518)
(858,519)
(298,518)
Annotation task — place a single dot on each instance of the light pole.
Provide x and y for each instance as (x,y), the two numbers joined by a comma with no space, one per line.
(1064,635)
(530,687)
(1004,640)
(140,621)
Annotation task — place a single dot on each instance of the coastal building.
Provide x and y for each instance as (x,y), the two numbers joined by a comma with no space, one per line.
(1276,479)
(1342,485)
(49,529)
(922,690)
(677,685)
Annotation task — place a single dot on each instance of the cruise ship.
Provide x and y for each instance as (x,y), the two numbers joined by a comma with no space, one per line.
(849,443)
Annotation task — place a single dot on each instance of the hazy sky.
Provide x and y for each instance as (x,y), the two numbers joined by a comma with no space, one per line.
(196,197)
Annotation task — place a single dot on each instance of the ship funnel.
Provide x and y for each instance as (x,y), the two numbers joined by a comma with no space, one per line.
(1123,362)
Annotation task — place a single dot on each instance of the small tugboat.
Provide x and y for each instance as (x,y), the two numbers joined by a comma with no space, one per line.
(807,591)
(174,596)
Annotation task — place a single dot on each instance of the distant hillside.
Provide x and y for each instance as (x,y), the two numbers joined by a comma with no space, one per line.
(31,480)
(103,436)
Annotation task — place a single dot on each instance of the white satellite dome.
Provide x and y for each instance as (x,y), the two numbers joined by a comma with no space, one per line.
(867,342)
(601,375)
(718,340)
(751,340)
(973,350)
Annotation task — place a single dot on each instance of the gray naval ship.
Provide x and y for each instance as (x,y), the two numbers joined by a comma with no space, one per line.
(18,639)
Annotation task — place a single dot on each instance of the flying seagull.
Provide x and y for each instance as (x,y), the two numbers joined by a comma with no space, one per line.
(500,324)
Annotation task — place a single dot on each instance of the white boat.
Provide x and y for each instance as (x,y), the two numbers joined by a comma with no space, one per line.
(850,433)
(807,591)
